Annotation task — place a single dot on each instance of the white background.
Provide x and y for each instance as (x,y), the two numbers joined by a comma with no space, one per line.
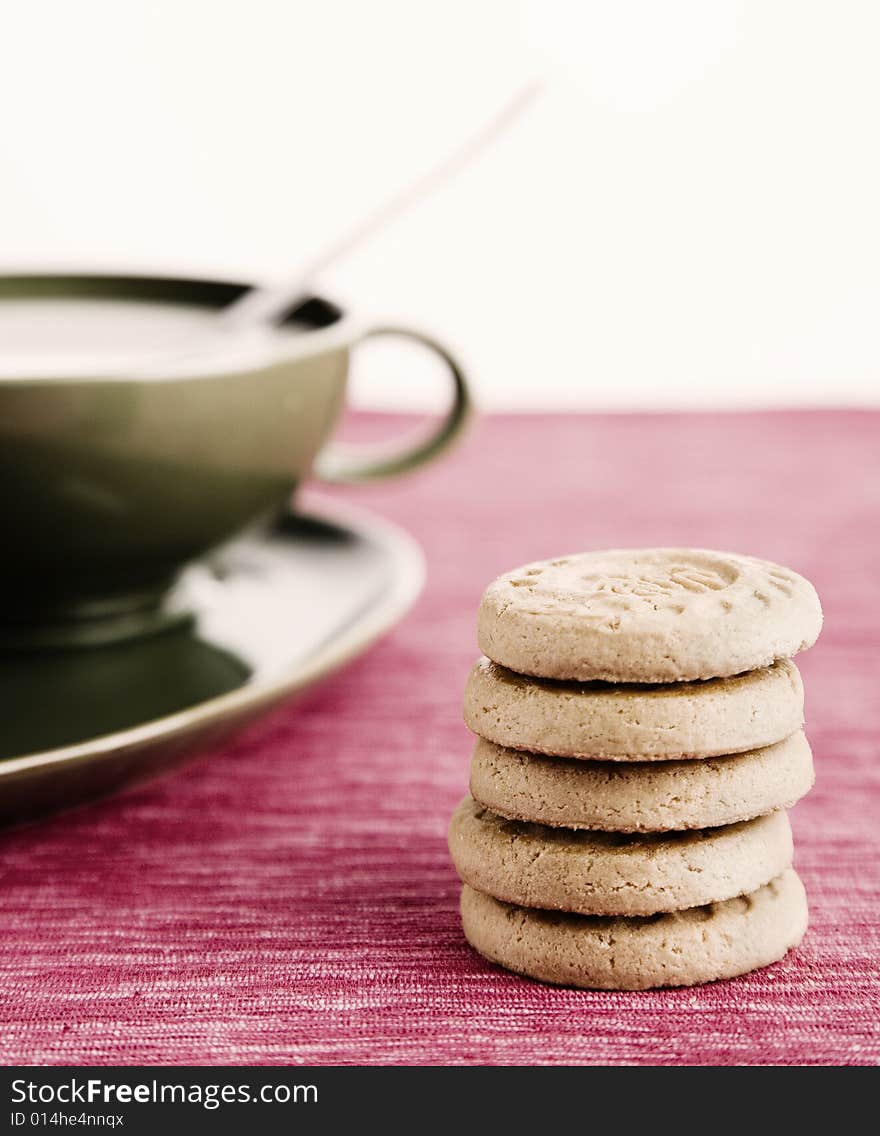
(690,215)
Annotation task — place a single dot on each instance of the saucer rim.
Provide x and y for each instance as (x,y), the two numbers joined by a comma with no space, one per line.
(256,696)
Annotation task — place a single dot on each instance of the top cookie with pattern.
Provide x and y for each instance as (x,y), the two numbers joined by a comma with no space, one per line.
(647,615)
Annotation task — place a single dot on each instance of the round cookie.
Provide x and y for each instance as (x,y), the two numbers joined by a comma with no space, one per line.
(604,873)
(638,722)
(720,940)
(654,796)
(647,615)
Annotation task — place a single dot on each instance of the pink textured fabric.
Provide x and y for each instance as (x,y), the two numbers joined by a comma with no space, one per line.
(290,899)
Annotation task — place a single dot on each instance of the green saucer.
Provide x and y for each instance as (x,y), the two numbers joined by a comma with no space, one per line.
(271,613)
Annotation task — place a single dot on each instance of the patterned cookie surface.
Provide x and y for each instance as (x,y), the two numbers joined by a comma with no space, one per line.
(652,796)
(647,615)
(601,873)
(683,948)
(635,721)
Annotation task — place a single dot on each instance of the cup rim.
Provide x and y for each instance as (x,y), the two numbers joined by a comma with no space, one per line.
(221,357)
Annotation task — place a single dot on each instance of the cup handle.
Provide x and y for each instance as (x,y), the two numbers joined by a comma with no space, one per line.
(341,463)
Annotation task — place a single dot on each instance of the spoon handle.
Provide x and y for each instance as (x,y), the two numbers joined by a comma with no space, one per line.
(270,304)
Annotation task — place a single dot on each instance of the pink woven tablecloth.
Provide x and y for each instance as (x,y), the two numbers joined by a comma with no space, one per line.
(290,899)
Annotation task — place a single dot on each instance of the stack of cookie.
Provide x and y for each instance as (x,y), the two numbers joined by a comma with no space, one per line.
(639,727)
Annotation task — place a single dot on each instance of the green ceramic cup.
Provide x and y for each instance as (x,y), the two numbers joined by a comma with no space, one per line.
(119,467)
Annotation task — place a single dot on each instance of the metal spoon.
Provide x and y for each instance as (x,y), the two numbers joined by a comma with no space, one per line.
(268,305)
